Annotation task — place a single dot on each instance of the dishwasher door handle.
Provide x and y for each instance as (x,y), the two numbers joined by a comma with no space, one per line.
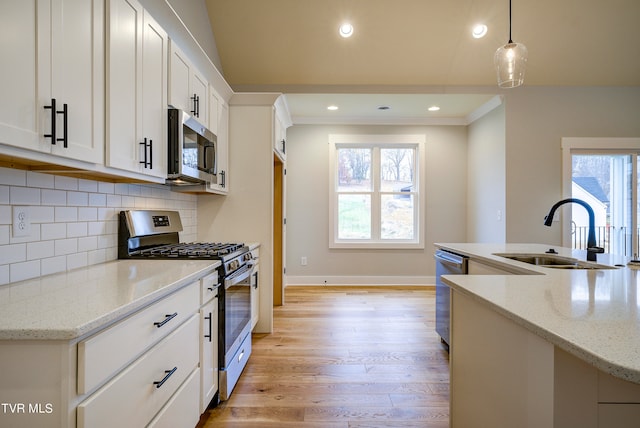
(450,259)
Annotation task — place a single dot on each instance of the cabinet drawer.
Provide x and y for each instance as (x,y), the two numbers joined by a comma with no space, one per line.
(208,287)
(102,355)
(182,410)
(131,398)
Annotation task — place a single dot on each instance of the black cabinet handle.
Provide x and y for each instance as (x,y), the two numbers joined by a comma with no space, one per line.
(144,147)
(168,318)
(284,146)
(159,383)
(224,176)
(53,121)
(196,105)
(148,148)
(208,317)
(64,125)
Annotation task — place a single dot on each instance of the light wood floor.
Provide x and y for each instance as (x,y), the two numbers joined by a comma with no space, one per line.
(344,358)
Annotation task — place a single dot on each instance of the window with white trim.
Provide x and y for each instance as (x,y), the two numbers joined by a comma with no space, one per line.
(376,194)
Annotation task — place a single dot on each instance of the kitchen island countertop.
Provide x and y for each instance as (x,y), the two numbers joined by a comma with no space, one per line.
(592,314)
(70,305)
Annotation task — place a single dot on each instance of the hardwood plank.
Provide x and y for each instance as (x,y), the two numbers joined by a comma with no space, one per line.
(344,357)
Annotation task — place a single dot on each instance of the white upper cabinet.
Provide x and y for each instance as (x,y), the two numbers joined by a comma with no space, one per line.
(219,125)
(53,50)
(188,89)
(136,90)
(281,123)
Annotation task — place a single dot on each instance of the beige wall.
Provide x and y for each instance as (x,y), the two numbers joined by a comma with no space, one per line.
(307,208)
(536,121)
(486,184)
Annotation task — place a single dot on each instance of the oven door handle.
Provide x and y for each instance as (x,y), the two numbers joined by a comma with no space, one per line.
(234,279)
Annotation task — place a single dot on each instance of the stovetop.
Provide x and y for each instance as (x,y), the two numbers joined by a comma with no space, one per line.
(200,250)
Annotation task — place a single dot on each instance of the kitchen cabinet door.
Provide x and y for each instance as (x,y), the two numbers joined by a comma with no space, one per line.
(188,89)
(136,88)
(208,353)
(219,125)
(56,51)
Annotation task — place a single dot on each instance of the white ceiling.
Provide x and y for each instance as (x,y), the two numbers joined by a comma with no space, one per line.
(425,47)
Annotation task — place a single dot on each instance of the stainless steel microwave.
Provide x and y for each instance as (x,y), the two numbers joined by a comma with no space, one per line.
(192,150)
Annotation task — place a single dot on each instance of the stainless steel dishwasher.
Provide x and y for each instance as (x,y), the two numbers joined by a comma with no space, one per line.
(447,263)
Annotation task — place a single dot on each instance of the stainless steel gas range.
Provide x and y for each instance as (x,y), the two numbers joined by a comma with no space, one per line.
(154,234)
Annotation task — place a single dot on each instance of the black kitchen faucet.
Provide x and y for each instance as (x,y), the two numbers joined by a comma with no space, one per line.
(592,248)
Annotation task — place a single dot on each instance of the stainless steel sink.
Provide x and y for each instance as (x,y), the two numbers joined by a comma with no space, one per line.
(553,261)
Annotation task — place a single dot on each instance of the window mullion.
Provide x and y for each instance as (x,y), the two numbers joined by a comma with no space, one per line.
(375,195)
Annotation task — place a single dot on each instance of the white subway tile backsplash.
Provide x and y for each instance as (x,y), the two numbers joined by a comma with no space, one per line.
(114,200)
(76,230)
(96,228)
(40,250)
(24,270)
(121,189)
(65,246)
(87,214)
(65,183)
(24,195)
(37,179)
(13,253)
(74,222)
(76,260)
(87,185)
(4,276)
(96,256)
(53,231)
(87,243)
(97,200)
(79,199)
(53,197)
(54,265)
(4,235)
(66,214)
(5,214)
(42,214)
(13,177)
(4,194)
(106,187)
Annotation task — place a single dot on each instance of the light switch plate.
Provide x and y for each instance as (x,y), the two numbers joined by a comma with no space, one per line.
(21,222)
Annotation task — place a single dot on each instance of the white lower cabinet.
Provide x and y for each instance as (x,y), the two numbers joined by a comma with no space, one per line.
(208,340)
(182,411)
(139,392)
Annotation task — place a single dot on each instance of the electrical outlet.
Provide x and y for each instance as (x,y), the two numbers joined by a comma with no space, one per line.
(303,260)
(21,222)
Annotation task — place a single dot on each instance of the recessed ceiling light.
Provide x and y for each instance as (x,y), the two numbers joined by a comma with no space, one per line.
(434,108)
(332,108)
(346,30)
(479,31)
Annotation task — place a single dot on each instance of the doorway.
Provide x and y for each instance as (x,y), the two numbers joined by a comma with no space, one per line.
(279,224)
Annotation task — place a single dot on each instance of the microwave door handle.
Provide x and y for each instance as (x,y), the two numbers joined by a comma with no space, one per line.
(205,158)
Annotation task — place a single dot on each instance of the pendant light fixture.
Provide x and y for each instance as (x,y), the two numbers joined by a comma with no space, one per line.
(510,61)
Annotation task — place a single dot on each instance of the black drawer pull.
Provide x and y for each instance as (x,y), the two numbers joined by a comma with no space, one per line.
(208,317)
(168,318)
(159,383)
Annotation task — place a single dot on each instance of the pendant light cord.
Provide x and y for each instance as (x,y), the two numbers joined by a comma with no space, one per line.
(510,41)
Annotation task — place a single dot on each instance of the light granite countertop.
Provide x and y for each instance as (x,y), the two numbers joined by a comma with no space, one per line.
(69,305)
(592,314)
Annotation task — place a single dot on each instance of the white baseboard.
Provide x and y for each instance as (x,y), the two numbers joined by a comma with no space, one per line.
(292,280)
